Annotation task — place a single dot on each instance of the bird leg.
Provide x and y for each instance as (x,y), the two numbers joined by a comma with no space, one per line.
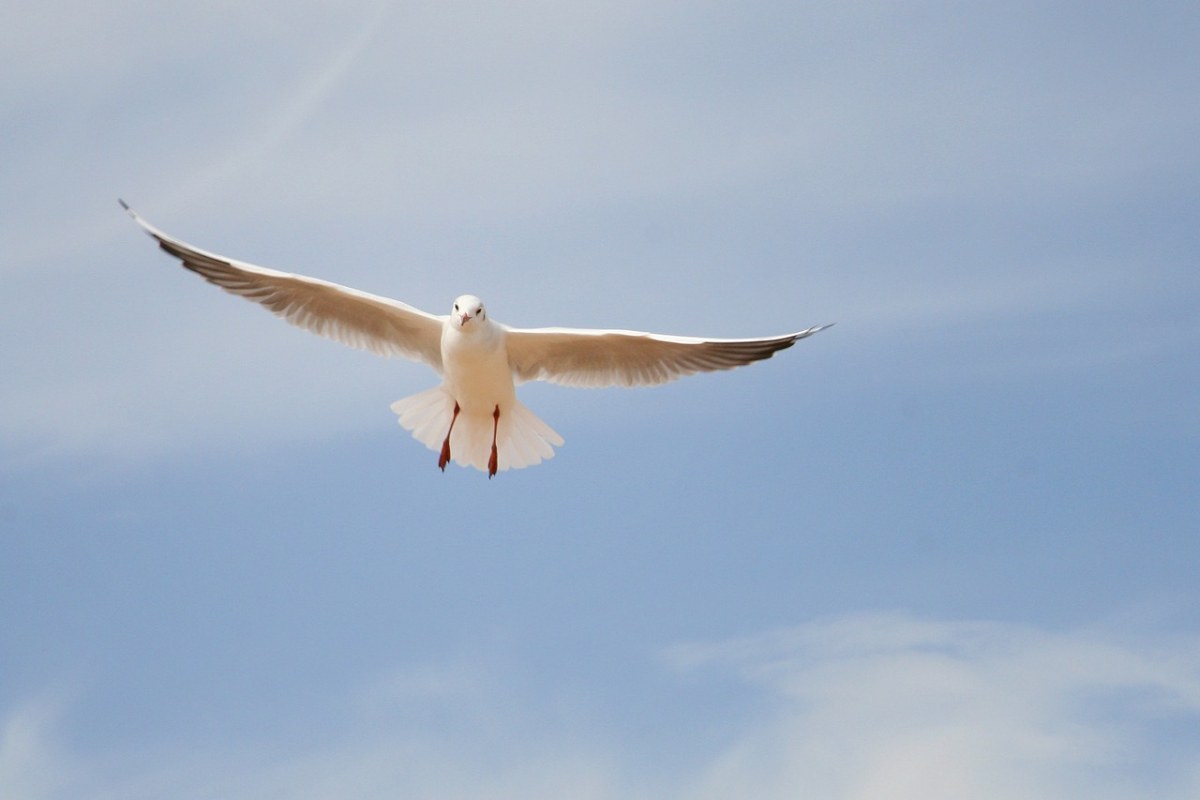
(444,458)
(493,460)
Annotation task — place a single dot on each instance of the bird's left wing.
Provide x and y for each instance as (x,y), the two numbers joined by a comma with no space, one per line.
(358,319)
(594,358)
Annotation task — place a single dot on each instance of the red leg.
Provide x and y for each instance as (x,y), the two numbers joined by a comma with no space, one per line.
(494,460)
(444,458)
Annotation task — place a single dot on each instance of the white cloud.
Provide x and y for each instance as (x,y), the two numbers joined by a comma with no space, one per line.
(896,707)
(31,764)
(871,706)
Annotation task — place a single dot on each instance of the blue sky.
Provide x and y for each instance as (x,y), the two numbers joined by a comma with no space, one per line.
(947,548)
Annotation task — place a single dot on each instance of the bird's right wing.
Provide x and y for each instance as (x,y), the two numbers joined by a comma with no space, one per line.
(370,322)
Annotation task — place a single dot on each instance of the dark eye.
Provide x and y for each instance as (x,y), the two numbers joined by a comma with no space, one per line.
(456,306)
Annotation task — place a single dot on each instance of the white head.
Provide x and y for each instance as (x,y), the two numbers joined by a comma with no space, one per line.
(468,312)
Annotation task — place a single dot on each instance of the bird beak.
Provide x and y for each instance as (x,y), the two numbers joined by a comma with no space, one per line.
(466,318)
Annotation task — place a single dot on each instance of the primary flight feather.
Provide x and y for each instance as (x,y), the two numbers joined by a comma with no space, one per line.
(473,417)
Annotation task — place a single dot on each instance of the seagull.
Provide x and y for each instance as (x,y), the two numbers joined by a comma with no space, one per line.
(473,417)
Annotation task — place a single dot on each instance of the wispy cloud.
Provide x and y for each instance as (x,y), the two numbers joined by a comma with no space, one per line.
(32,766)
(895,706)
(870,706)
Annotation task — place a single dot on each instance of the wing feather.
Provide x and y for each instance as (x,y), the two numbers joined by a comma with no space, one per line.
(358,319)
(595,358)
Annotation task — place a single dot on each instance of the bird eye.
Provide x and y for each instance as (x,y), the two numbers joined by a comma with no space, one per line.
(456,306)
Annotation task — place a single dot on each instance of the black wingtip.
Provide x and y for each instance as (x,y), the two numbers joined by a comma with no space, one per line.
(814,329)
(129,211)
(133,215)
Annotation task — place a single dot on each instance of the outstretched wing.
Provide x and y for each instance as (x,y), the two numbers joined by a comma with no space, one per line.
(593,358)
(358,319)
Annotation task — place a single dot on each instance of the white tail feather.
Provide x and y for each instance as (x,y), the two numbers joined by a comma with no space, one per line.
(522,439)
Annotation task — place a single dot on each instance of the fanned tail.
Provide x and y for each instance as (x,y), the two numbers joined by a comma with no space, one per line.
(522,439)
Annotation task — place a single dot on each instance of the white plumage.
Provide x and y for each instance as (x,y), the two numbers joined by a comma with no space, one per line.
(474,416)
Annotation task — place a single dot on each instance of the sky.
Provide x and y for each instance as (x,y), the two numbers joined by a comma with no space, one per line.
(947,548)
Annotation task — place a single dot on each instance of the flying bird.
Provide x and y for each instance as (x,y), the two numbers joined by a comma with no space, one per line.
(473,417)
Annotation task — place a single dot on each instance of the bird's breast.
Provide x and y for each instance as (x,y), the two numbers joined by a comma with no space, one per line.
(476,371)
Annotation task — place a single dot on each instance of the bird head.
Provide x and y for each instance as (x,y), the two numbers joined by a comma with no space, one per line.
(468,312)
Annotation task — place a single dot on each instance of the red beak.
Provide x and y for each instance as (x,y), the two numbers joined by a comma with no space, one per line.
(465,318)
